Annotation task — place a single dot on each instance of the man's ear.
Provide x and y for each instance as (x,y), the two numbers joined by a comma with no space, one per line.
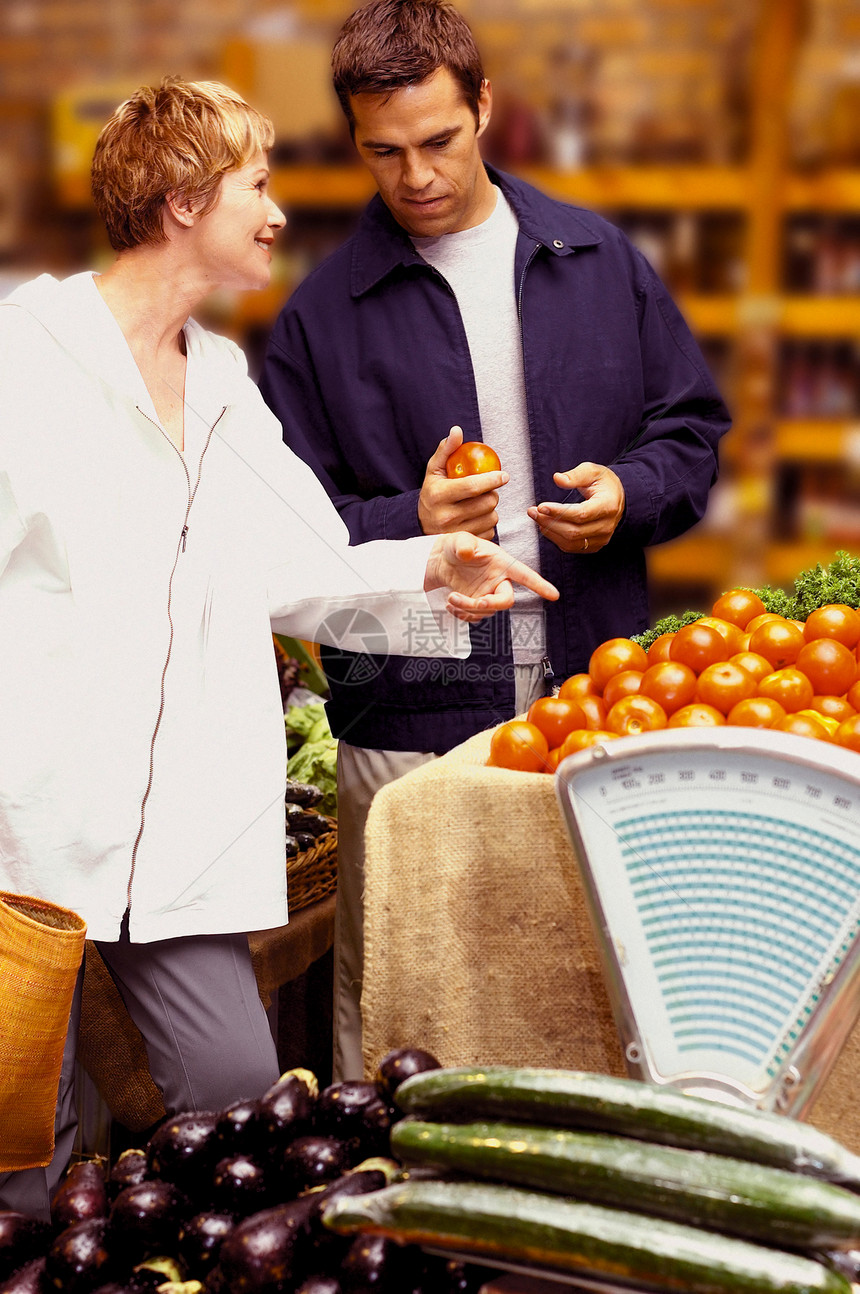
(181,208)
(485,106)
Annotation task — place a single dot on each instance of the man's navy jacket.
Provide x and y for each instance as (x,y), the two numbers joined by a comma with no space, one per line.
(367,369)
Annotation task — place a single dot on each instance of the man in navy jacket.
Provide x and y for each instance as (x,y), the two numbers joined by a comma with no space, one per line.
(467,300)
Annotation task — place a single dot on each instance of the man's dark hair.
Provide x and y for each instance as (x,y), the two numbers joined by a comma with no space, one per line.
(387,44)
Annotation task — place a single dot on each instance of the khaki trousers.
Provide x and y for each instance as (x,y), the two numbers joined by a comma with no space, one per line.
(360,774)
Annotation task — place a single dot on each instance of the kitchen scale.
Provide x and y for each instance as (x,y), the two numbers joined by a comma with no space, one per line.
(722,871)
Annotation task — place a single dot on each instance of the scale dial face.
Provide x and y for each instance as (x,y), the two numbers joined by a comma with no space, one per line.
(723,873)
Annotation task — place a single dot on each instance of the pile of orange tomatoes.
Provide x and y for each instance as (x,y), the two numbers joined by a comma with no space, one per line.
(740,665)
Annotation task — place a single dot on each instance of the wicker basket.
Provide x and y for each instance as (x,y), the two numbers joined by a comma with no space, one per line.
(312,874)
(41,947)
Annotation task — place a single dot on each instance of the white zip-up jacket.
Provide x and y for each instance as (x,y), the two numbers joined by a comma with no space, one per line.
(142,745)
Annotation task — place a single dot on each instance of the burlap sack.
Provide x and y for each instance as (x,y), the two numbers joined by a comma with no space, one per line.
(41,947)
(478,944)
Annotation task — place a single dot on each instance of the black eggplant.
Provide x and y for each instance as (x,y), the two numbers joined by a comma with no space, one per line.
(239,1129)
(399,1064)
(354,1112)
(21,1238)
(293,848)
(144,1220)
(313,1161)
(287,1108)
(330,1247)
(200,1240)
(303,793)
(29,1279)
(299,819)
(378,1265)
(241,1185)
(129,1169)
(266,1253)
(184,1149)
(79,1260)
(356,1182)
(80,1195)
(304,840)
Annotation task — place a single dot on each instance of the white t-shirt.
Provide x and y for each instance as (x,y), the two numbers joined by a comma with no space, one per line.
(478,264)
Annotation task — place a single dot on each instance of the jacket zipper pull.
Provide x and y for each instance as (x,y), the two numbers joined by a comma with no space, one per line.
(184,536)
(547,666)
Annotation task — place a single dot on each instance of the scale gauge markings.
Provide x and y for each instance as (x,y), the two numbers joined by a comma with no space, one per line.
(714,886)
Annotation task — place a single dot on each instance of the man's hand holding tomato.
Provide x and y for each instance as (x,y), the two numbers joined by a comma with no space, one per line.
(587,526)
(468,503)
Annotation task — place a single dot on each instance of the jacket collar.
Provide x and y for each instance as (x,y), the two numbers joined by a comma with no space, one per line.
(381,245)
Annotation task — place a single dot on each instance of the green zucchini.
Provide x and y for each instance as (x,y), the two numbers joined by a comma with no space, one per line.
(765,1204)
(573,1099)
(512,1225)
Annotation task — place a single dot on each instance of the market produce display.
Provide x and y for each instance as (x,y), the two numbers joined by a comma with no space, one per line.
(714,1191)
(312,752)
(664,1115)
(232,1201)
(553,1233)
(310,801)
(427,1179)
(636,1199)
(760,659)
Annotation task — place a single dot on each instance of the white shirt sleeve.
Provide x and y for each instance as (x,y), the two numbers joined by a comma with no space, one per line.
(369,597)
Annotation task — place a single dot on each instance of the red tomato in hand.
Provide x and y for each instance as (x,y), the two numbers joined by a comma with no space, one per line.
(472,458)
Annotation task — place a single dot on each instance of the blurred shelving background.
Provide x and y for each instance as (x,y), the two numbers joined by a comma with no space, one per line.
(723,135)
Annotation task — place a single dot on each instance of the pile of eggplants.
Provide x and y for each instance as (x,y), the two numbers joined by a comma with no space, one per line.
(230,1202)
(304,825)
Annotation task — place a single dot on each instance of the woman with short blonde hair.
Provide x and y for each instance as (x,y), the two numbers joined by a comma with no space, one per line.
(177,137)
(153,529)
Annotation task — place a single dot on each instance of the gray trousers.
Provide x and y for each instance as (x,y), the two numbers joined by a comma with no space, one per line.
(360,774)
(208,1040)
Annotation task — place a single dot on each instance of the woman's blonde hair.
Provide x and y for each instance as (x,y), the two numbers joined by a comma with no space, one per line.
(179,138)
